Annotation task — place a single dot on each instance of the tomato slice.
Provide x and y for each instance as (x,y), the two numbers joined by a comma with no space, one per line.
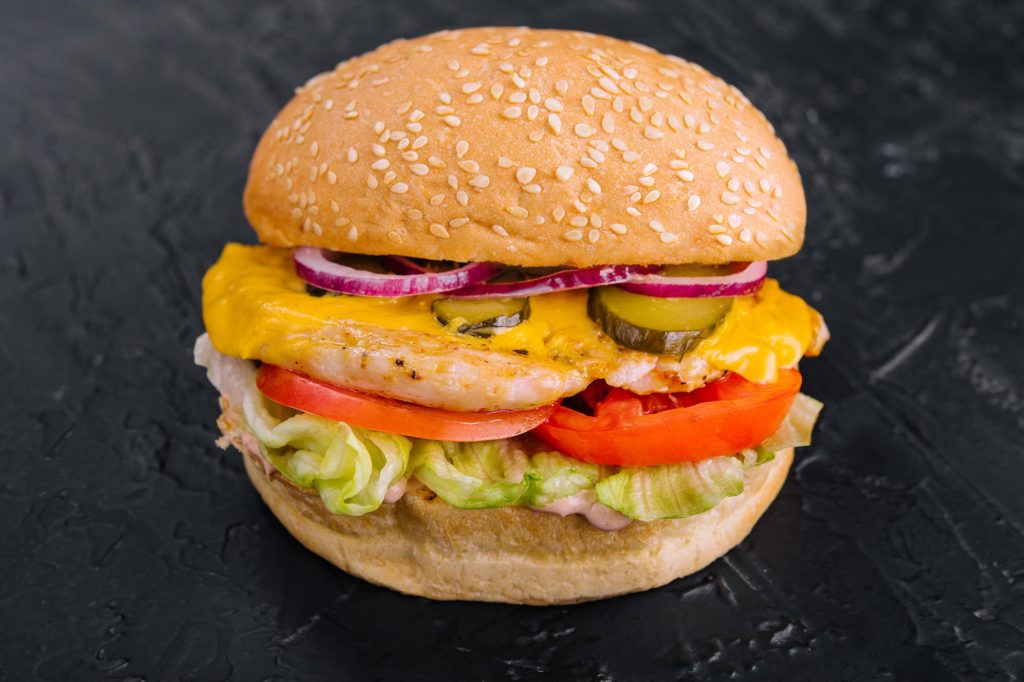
(304,393)
(722,418)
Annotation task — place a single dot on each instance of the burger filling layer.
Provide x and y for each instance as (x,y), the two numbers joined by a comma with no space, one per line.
(358,395)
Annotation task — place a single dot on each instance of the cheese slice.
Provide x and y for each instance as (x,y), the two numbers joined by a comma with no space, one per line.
(256,307)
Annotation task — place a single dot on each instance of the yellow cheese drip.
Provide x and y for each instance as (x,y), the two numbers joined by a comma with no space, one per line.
(256,307)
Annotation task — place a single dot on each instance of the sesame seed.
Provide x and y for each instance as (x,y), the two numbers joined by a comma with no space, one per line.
(633,211)
(504,162)
(593,236)
(656,226)
(685,175)
(410,156)
(693,203)
(335,207)
(588,162)
(704,145)
(646,181)
(618,228)
(715,228)
(469,166)
(745,235)
(764,184)
(723,168)
(313,171)
(399,188)
(435,162)
(418,169)
(609,85)
(729,198)
(380,164)
(332,177)
(416,115)
(578,221)
(378,150)
(296,212)
(461,147)
(457,222)
(724,239)
(453,121)
(552,104)
(328,105)
(583,130)
(480,181)
(512,112)
(438,231)
(667,238)
(462,198)
(525,174)
(562,87)
(596,155)
(498,229)
(608,123)
(734,220)
(563,173)
(733,184)
(652,196)
(593,186)
(419,142)
(352,234)
(314,149)
(517,97)
(483,49)
(437,200)
(470,88)
(573,235)
(652,133)
(630,157)
(475,99)
(518,212)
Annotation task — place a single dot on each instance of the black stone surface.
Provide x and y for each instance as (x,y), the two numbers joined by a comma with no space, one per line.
(133,549)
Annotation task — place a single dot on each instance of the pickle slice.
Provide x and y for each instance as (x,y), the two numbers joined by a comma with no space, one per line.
(481,316)
(663,326)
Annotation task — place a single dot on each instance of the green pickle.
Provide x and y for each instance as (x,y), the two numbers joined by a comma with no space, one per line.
(663,326)
(481,316)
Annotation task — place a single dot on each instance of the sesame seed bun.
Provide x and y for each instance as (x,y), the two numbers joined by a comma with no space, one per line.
(423,546)
(527,147)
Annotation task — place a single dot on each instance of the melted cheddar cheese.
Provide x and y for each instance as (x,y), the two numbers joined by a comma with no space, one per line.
(256,307)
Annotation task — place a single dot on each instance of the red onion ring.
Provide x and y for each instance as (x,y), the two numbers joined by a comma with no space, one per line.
(314,267)
(746,281)
(563,280)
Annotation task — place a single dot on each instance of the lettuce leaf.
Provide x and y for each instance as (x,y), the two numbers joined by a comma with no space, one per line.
(498,473)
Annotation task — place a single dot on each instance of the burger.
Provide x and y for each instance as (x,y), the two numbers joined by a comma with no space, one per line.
(509,336)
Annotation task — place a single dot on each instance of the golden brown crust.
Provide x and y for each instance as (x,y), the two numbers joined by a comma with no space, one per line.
(527,147)
(423,546)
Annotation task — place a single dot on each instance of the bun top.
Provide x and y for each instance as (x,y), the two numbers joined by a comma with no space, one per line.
(526,147)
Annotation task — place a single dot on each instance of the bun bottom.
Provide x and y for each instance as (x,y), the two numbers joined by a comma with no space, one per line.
(423,546)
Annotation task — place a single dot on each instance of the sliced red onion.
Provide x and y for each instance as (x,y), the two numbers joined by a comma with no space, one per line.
(746,281)
(563,280)
(314,267)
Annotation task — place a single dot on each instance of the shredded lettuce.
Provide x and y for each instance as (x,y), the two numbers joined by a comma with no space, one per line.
(353,468)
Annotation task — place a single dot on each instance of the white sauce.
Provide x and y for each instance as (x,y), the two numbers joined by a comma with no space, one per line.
(585,504)
(395,492)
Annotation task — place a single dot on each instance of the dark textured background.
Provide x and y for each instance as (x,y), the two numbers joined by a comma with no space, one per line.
(132,548)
